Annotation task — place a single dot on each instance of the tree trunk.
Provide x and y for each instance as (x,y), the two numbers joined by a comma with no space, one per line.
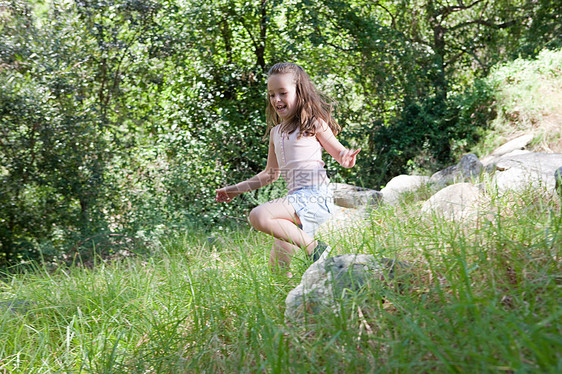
(260,49)
(440,83)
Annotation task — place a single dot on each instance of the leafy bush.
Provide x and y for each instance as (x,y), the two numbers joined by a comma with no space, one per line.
(528,89)
(428,135)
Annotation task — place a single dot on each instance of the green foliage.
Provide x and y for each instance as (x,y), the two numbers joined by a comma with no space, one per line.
(528,89)
(54,158)
(526,97)
(123,116)
(428,135)
(413,65)
(545,29)
(58,89)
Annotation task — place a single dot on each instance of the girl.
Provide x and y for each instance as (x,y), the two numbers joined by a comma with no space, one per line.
(300,124)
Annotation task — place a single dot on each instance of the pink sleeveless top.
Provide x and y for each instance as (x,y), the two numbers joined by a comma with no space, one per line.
(300,159)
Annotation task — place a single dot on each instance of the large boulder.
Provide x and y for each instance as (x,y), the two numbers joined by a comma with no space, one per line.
(454,203)
(326,283)
(401,184)
(523,171)
(349,196)
(468,168)
(512,148)
(343,220)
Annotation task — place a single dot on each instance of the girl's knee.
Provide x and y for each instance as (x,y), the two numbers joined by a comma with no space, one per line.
(256,218)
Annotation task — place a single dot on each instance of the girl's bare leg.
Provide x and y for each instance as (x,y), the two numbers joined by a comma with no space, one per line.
(278,218)
(280,256)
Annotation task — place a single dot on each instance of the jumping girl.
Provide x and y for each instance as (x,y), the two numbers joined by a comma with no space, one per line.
(300,124)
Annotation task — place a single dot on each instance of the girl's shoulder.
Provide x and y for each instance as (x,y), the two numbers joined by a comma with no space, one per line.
(323,126)
(320,125)
(277,129)
(277,132)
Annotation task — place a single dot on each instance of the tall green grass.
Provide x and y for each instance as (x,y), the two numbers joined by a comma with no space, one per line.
(478,296)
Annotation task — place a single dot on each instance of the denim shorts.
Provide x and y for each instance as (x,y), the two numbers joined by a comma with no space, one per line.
(314,206)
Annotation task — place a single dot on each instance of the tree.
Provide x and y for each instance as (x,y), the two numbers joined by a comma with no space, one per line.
(64,115)
(413,59)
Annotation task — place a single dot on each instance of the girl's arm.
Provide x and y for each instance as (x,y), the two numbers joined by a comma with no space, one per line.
(269,175)
(345,157)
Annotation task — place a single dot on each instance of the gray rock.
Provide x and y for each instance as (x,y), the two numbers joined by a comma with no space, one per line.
(558,181)
(455,203)
(349,196)
(401,184)
(344,219)
(512,147)
(326,283)
(531,170)
(468,168)
(16,306)
(490,167)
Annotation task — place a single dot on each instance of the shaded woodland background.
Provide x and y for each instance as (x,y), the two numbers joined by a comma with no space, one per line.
(119,118)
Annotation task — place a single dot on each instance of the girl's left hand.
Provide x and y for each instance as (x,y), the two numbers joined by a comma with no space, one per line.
(348,157)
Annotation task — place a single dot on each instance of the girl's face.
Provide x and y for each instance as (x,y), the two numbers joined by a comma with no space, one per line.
(282,92)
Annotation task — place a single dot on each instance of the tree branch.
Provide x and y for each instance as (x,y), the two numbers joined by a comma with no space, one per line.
(445,11)
(483,23)
(254,42)
(392,17)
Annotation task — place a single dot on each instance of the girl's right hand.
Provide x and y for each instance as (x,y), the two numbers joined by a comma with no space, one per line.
(223,196)
(348,157)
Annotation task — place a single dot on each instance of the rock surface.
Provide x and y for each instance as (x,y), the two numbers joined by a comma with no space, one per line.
(468,168)
(513,147)
(349,196)
(401,184)
(455,203)
(343,219)
(530,170)
(511,167)
(327,282)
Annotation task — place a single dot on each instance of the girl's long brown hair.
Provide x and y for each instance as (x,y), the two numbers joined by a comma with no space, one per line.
(311,104)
